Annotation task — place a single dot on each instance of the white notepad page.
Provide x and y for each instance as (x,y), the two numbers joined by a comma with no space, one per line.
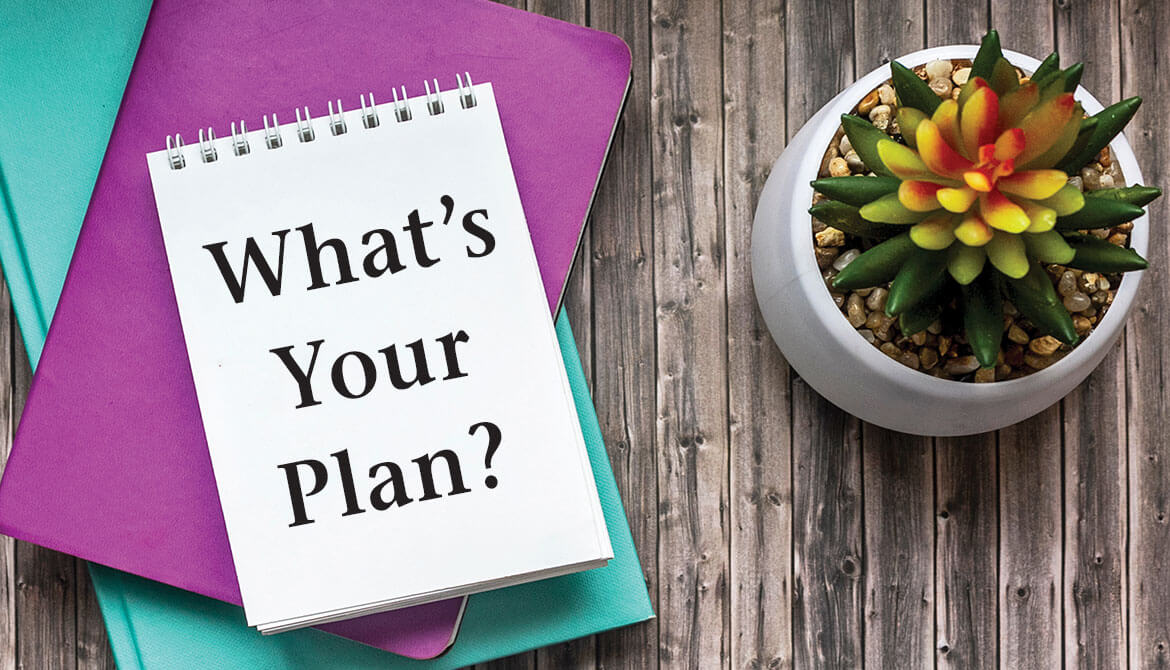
(322,464)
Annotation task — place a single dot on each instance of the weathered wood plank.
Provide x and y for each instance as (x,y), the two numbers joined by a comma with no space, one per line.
(898,469)
(1143,45)
(967,547)
(1094,417)
(1030,516)
(898,491)
(761,448)
(828,583)
(9,625)
(689,286)
(624,382)
(93,647)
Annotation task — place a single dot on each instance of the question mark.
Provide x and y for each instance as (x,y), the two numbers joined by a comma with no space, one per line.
(493,444)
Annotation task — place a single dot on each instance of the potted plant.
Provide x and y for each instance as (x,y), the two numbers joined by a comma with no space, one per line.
(970,222)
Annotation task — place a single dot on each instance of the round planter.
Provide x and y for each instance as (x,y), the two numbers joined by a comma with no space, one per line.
(835,360)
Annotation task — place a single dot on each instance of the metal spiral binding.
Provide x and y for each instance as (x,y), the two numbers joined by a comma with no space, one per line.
(337,125)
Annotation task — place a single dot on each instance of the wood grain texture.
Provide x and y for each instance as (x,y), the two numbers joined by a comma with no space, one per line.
(689,285)
(1148,348)
(8,417)
(1030,517)
(828,583)
(1094,417)
(760,438)
(967,552)
(898,469)
(625,346)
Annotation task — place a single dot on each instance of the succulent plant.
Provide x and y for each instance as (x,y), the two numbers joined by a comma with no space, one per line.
(973,197)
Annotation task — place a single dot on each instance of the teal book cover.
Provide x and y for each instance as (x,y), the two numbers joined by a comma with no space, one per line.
(72,71)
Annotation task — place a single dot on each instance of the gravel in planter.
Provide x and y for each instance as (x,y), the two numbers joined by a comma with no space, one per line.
(941,350)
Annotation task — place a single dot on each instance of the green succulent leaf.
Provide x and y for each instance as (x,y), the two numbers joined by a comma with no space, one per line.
(1072,77)
(1135,195)
(908,120)
(965,263)
(1047,66)
(1099,213)
(1097,255)
(1007,253)
(985,59)
(1068,200)
(888,209)
(1003,77)
(876,266)
(912,91)
(846,217)
(856,190)
(1110,122)
(1048,247)
(983,319)
(1036,299)
(864,138)
(1084,135)
(919,317)
(923,274)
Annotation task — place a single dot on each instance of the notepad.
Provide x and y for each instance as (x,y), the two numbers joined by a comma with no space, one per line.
(378,376)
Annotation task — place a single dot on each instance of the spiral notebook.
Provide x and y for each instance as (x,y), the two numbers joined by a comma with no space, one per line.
(387,413)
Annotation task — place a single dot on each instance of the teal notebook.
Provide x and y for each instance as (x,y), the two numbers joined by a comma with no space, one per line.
(72,69)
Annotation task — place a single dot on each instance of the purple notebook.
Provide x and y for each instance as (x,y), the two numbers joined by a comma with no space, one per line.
(110,462)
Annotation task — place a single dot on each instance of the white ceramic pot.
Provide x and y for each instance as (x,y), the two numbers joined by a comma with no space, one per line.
(835,360)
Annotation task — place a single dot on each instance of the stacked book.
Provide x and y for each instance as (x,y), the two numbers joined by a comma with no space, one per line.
(311,368)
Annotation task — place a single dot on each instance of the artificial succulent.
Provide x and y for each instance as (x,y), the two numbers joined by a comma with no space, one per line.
(973,197)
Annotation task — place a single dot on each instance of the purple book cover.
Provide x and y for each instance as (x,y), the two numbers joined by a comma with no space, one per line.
(110,461)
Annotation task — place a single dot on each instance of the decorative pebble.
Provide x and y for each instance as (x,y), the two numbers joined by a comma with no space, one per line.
(941,86)
(830,237)
(825,256)
(984,375)
(961,76)
(1082,325)
(1103,284)
(854,161)
(868,103)
(936,69)
(845,259)
(876,301)
(1077,302)
(961,366)
(909,359)
(928,358)
(935,327)
(890,349)
(1017,335)
(919,338)
(1106,181)
(1067,284)
(845,146)
(886,94)
(855,311)
(1119,239)
(1044,346)
(1078,182)
(1090,178)
(880,116)
(868,335)
(838,167)
(1088,282)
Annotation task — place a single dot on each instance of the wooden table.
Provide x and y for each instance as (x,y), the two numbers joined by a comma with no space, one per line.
(774,529)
